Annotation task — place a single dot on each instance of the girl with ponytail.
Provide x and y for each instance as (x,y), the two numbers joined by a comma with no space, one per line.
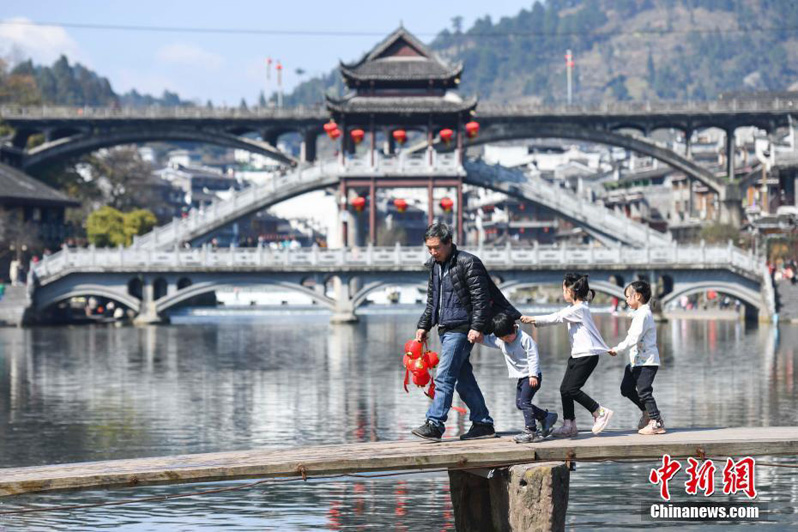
(586,345)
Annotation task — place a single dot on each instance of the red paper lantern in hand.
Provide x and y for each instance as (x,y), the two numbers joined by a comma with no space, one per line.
(358,203)
(472,129)
(400,136)
(357,135)
(413,349)
(447,204)
(400,204)
(421,378)
(431,358)
(446,135)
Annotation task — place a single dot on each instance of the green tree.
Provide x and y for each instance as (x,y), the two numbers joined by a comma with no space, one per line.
(719,233)
(106,227)
(137,222)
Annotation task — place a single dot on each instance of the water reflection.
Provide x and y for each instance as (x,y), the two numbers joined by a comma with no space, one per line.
(74,394)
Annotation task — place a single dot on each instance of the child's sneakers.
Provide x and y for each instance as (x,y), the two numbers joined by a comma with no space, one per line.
(567,430)
(528,436)
(601,419)
(547,424)
(655,426)
(644,419)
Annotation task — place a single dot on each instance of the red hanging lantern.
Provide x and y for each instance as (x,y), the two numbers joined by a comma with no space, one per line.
(472,129)
(400,204)
(329,126)
(400,136)
(408,362)
(446,135)
(357,135)
(334,133)
(420,365)
(447,204)
(358,203)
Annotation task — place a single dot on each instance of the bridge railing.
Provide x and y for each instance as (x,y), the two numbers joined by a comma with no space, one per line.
(207,258)
(754,104)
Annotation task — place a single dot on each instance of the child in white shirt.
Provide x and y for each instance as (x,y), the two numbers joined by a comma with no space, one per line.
(586,345)
(641,342)
(521,355)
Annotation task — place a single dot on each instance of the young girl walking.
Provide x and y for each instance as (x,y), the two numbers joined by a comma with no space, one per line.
(641,342)
(586,346)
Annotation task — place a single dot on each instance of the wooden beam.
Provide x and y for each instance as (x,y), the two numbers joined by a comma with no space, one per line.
(396,456)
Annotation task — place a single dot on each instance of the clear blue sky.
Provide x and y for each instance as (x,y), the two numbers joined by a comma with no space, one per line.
(221,67)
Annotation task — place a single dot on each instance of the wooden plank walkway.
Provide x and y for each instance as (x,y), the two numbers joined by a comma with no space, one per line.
(396,456)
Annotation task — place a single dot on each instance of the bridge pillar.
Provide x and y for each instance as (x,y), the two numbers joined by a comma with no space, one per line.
(307,153)
(344,310)
(731,212)
(730,140)
(522,497)
(147,314)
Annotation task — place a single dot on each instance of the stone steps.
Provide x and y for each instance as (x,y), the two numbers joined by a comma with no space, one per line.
(787,298)
(13,305)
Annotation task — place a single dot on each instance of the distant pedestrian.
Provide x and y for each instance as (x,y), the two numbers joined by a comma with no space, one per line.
(13,272)
(641,342)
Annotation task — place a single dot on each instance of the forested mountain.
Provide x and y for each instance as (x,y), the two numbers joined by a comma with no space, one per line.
(623,49)
(65,84)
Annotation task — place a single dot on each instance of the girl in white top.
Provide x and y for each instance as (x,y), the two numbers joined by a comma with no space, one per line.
(586,345)
(641,342)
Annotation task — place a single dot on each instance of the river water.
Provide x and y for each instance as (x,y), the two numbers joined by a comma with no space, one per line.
(274,380)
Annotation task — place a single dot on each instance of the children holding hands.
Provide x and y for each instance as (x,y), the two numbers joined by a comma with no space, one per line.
(641,343)
(586,345)
(521,355)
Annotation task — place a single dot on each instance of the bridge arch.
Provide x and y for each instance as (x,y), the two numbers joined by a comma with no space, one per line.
(359,298)
(598,136)
(88,290)
(604,287)
(165,303)
(80,144)
(746,295)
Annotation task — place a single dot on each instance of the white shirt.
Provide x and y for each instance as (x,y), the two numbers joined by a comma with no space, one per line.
(585,338)
(641,340)
(521,355)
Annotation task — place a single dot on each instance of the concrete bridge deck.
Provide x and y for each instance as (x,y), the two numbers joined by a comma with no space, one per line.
(398,456)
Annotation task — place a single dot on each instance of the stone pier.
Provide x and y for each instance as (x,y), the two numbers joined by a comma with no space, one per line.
(522,497)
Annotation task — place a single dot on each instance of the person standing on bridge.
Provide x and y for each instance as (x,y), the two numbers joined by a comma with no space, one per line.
(641,342)
(586,346)
(461,301)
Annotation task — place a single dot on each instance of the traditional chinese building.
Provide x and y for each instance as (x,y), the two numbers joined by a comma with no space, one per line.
(399,89)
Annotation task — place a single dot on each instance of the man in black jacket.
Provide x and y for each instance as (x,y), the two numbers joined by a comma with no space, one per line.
(461,301)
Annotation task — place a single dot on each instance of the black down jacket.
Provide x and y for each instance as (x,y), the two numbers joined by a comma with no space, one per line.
(475,290)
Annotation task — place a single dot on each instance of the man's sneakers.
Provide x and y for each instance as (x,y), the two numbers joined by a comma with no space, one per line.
(655,426)
(429,431)
(547,424)
(601,419)
(528,436)
(644,419)
(479,431)
(567,430)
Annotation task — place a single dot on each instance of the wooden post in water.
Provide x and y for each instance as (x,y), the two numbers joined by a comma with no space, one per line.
(521,497)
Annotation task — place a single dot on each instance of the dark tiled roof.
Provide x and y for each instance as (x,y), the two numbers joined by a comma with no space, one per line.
(398,104)
(383,62)
(402,69)
(16,187)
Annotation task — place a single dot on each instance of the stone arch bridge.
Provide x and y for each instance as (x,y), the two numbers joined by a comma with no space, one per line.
(152,282)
